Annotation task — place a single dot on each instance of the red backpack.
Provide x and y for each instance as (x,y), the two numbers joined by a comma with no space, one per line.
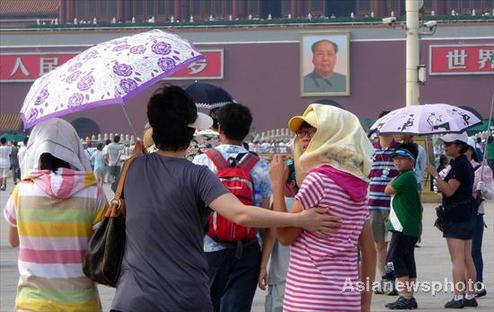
(235,176)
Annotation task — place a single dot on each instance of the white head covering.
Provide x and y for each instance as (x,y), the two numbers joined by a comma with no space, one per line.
(58,138)
(340,141)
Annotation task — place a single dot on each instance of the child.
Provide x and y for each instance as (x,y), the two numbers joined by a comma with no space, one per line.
(405,224)
(280,255)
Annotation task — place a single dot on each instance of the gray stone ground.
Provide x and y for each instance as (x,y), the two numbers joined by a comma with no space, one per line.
(432,265)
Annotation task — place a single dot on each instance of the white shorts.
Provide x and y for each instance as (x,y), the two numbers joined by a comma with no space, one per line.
(4,172)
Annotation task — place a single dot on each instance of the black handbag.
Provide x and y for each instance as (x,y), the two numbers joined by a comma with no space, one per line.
(440,220)
(104,254)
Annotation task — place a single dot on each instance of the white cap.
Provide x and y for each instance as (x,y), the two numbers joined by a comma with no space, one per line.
(451,137)
(471,143)
(202,122)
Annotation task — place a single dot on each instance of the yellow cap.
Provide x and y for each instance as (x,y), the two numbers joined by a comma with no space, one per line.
(295,122)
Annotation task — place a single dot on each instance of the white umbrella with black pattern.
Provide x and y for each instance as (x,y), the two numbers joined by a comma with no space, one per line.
(426,119)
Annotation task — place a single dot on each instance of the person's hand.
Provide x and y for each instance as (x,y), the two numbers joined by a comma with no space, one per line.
(263,278)
(482,187)
(139,148)
(278,172)
(431,170)
(319,222)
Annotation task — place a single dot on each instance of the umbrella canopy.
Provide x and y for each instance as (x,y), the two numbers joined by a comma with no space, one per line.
(208,96)
(13,136)
(108,73)
(426,119)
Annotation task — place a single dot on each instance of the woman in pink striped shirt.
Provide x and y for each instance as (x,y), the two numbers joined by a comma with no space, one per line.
(332,157)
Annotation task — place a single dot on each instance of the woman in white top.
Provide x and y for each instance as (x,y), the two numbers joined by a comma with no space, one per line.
(4,163)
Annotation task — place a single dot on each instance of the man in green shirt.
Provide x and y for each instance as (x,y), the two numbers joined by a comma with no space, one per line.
(405,224)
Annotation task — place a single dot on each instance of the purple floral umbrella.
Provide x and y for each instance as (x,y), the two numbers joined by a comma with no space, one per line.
(108,73)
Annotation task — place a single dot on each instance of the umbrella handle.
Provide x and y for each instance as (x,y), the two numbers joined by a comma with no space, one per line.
(484,160)
(128,120)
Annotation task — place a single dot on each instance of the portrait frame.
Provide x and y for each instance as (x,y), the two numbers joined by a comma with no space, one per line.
(309,81)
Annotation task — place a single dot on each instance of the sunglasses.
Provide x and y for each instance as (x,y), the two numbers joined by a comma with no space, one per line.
(306,132)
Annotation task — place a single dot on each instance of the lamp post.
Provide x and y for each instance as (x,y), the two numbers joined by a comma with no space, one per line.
(412,8)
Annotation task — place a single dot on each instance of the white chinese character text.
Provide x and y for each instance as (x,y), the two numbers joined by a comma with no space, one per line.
(485,57)
(48,64)
(19,65)
(456,59)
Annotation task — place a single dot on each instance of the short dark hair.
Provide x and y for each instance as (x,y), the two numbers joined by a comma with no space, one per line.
(314,45)
(463,146)
(475,157)
(3,140)
(107,142)
(411,147)
(116,139)
(99,147)
(235,120)
(170,110)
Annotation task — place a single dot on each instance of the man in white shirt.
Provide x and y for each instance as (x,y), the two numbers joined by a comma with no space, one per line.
(4,163)
(114,152)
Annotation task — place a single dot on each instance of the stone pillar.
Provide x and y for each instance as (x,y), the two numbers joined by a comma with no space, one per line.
(293,8)
(121,16)
(440,7)
(62,12)
(177,9)
(234,9)
(70,11)
(380,8)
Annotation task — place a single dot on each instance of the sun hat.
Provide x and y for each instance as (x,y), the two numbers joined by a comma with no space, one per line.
(451,137)
(295,122)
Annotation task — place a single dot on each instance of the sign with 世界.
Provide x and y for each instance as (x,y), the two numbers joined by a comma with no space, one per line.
(461,59)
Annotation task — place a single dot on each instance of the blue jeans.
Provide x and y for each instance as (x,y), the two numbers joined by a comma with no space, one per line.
(233,280)
(478,233)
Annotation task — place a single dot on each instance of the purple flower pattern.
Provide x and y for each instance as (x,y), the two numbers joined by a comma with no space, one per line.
(75,100)
(122,47)
(42,96)
(128,84)
(32,115)
(139,49)
(90,55)
(75,67)
(85,83)
(166,63)
(73,77)
(122,69)
(161,48)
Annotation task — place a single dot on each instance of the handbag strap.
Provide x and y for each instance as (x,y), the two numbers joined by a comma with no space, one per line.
(121,179)
(117,203)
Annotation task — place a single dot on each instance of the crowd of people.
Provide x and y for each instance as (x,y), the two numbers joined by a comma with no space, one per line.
(208,220)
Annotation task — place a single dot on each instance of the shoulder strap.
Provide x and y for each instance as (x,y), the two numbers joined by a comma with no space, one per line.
(216,158)
(248,162)
(121,179)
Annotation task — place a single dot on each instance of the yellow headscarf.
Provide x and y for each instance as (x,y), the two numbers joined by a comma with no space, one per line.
(339,142)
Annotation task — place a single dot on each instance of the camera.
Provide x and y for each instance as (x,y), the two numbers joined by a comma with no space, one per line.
(430,24)
(389,20)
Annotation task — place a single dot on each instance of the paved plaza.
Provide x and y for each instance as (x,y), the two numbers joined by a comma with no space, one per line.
(433,265)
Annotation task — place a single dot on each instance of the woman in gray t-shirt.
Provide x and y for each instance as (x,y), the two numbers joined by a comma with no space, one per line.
(167,199)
